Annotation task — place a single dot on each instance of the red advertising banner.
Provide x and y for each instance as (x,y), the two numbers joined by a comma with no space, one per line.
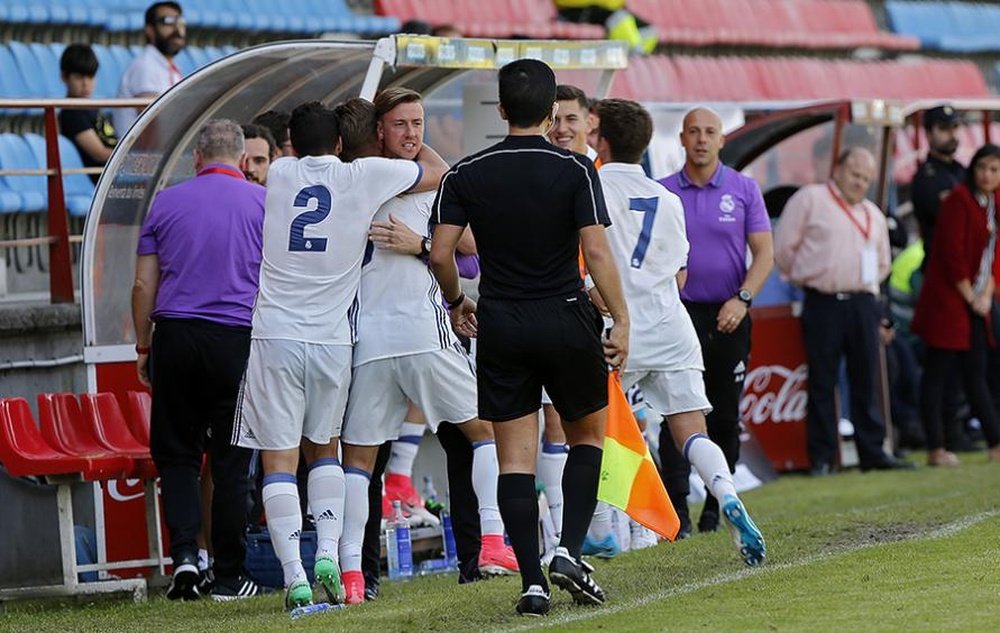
(773,406)
(124,508)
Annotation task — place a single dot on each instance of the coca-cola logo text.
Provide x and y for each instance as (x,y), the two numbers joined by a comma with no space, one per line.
(774,393)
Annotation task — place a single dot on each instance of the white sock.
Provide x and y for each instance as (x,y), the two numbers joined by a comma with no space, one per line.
(326,500)
(485,471)
(280,495)
(355,518)
(404,449)
(203,563)
(710,464)
(600,525)
(550,471)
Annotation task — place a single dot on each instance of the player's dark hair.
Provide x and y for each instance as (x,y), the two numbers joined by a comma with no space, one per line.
(313,129)
(277,122)
(527,92)
(389,98)
(986,151)
(79,59)
(357,120)
(566,92)
(627,127)
(252,130)
(151,16)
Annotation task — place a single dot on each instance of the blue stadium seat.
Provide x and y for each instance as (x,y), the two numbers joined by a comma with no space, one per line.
(109,72)
(48,62)
(15,154)
(78,188)
(960,27)
(12,85)
(31,72)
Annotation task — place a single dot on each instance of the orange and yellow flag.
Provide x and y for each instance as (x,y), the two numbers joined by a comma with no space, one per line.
(629,479)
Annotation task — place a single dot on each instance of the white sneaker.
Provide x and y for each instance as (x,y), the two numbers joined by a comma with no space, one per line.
(642,537)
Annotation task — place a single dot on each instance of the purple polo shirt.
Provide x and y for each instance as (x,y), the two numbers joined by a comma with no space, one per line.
(207,235)
(719,216)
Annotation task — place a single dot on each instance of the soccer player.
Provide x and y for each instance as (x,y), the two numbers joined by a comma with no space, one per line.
(417,359)
(650,245)
(531,205)
(317,214)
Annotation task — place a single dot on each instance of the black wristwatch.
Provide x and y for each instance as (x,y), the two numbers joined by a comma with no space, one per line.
(425,247)
(745,296)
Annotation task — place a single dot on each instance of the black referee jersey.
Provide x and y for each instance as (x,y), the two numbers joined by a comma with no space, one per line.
(526,201)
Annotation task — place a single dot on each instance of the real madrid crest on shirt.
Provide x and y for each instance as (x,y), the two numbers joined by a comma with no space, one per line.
(726,206)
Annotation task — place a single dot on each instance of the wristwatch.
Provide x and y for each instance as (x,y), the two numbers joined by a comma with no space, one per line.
(745,296)
(425,247)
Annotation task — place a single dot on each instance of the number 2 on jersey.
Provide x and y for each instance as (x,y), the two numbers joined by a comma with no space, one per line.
(297,241)
(647,207)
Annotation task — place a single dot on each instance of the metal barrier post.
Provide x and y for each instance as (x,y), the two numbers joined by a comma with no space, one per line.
(60,266)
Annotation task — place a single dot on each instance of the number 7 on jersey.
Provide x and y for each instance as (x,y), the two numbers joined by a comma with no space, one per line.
(647,207)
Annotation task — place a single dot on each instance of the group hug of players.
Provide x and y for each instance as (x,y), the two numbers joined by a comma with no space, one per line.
(350,326)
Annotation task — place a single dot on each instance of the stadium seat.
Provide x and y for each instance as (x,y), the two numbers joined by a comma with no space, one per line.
(63,428)
(499,18)
(109,72)
(48,60)
(15,154)
(31,72)
(960,27)
(140,405)
(819,24)
(107,424)
(77,188)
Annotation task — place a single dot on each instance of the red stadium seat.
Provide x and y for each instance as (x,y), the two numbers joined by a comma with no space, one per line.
(65,429)
(140,405)
(496,19)
(107,423)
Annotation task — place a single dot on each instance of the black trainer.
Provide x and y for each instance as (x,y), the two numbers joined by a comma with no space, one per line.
(371,587)
(533,602)
(206,582)
(574,576)
(235,589)
(184,583)
(709,521)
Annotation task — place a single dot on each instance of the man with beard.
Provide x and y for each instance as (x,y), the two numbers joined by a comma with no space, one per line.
(260,151)
(938,175)
(153,71)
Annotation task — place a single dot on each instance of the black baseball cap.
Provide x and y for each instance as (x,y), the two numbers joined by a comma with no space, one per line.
(943,115)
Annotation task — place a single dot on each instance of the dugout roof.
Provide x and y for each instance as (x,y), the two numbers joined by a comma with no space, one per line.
(157,151)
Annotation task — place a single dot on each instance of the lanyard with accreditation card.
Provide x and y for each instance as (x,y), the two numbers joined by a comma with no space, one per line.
(869,258)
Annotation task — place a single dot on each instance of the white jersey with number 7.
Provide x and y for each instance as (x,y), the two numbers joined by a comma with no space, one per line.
(316,218)
(649,242)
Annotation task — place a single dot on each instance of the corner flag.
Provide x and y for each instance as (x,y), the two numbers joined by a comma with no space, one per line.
(629,479)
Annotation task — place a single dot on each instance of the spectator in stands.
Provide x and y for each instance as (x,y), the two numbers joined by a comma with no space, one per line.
(725,215)
(623,25)
(153,72)
(260,151)
(956,314)
(835,243)
(199,290)
(276,121)
(938,175)
(89,129)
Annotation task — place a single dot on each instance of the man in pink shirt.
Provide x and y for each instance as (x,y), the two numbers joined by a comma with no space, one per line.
(835,243)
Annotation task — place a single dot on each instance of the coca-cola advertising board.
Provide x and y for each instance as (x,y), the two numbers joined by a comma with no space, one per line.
(773,406)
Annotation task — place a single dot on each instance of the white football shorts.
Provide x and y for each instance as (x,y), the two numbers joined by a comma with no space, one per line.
(441,383)
(670,392)
(292,389)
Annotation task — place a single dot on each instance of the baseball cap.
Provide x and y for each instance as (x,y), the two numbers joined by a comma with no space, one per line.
(941,115)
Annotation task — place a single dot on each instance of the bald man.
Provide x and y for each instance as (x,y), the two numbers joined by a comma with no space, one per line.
(724,215)
(834,243)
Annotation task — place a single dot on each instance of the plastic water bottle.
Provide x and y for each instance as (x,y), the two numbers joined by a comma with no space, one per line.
(431,497)
(313,609)
(398,547)
(448,535)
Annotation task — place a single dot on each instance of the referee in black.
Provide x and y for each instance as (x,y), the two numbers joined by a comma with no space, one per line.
(532,206)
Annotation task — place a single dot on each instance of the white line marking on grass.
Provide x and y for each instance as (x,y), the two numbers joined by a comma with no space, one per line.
(582,614)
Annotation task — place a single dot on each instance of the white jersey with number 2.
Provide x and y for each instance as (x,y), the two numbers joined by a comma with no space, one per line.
(649,242)
(316,218)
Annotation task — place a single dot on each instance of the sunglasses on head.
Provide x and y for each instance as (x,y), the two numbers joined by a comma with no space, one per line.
(171,20)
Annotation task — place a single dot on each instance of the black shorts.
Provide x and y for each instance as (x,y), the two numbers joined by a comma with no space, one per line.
(525,345)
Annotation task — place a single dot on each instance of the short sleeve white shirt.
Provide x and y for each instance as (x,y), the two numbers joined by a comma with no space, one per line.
(316,218)
(149,73)
(649,242)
